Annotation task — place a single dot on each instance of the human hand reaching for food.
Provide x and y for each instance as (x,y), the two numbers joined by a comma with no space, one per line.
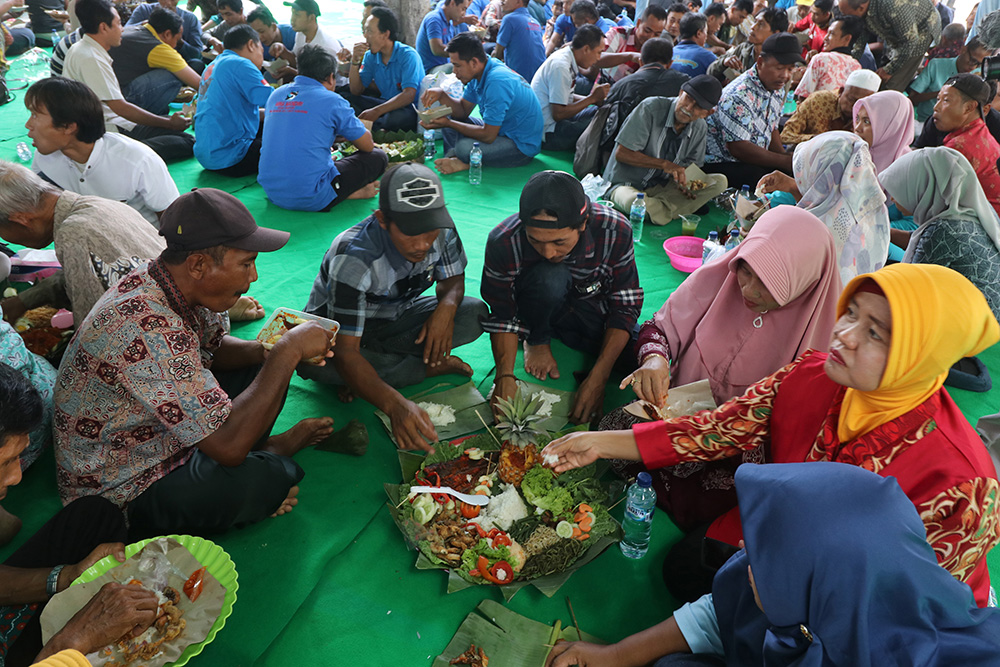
(650,381)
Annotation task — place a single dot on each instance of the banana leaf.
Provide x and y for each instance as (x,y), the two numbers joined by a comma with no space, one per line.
(507,638)
(464,399)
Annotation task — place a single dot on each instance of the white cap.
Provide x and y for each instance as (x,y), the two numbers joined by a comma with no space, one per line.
(864,78)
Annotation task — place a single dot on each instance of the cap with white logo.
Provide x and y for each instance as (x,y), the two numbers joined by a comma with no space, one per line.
(411,196)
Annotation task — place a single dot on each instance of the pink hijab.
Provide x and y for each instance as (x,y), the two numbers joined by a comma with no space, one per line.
(710,330)
(891,116)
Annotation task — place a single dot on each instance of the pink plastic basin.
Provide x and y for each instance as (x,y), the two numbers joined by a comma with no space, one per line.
(684,252)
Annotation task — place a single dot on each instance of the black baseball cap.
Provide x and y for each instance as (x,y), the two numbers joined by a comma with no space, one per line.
(783,47)
(972,86)
(705,90)
(557,192)
(307,6)
(206,217)
(411,196)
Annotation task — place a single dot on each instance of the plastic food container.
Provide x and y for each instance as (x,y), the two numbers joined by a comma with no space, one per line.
(277,325)
(684,252)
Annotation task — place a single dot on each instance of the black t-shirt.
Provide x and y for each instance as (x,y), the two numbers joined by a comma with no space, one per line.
(42,23)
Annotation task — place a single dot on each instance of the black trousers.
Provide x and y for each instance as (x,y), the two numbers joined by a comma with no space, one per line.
(250,162)
(67,538)
(171,145)
(357,171)
(204,497)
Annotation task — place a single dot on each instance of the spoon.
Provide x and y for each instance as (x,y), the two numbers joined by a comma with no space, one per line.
(464,497)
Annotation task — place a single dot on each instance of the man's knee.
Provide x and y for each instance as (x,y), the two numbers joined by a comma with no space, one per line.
(469,320)
(545,282)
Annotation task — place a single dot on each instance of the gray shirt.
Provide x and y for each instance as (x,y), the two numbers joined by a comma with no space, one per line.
(90,235)
(650,130)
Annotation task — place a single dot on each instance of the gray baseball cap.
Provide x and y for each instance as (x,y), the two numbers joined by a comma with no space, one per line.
(411,196)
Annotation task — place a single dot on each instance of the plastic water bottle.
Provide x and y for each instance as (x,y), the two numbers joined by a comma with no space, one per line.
(55,38)
(733,240)
(637,215)
(638,518)
(710,244)
(475,164)
(24,152)
(745,192)
(429,148)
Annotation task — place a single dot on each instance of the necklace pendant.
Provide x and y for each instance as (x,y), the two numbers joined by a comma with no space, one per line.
(758,321)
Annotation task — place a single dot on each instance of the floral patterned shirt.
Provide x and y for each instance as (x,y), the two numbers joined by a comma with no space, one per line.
(134,393)
(931,451)
(826,71)
(747,112)
(975,142)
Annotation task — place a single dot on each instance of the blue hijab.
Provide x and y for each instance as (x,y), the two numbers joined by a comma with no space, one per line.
(845,575)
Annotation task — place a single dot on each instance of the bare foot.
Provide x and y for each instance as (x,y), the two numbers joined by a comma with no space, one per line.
(367,192)
(345,394)
(246,309)
(450,165)
(306,433)
(9,526)
(538,361)
(450,365)
(288,503)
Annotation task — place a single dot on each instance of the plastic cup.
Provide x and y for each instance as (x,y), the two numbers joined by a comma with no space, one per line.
(689,224)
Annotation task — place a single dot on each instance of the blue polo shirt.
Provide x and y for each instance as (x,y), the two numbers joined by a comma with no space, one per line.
(521,38)
(691,59)
(564,26)
(436,26)
(476,7)
(506,100)
(404,70)
(230,96)
(301,121)
(287,38)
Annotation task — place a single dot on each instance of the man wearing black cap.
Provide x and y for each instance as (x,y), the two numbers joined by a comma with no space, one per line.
(564,268)
(165,414)
(371,280)
(960,111)
(743,138)
(661,138)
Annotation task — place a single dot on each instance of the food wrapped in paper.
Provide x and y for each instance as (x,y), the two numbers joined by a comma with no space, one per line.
(161,564)
(684,400)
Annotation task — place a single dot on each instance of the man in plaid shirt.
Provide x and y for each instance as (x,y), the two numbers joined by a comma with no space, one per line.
(371,280)
(564,268)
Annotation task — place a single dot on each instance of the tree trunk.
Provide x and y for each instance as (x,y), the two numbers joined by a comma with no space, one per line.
(410,13)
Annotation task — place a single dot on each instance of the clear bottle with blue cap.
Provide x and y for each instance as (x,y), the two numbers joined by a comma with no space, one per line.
(638,520)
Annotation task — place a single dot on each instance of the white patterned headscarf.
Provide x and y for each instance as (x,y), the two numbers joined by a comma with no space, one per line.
(835,174)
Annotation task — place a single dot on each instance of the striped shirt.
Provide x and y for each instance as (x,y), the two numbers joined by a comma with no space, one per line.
(363,276)
(602,266)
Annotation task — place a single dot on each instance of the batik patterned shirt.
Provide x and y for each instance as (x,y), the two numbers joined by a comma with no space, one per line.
(135,393)
(747,112)
(906,26)
(815,115)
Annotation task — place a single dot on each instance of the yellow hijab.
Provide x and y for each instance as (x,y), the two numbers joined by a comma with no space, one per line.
(938,317)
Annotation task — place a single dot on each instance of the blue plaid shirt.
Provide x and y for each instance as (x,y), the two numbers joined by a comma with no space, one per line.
(747,112)
(602,266)
(363,276)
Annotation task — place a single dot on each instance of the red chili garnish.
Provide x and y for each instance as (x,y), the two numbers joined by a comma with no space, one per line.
(192,587)
(503,539)
(478,528)
(502,572)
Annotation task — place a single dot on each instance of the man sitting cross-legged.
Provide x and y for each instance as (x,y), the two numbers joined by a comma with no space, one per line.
(159,410)
(302,120)
(660,139)
(561,268)
(371,280)
(510,132)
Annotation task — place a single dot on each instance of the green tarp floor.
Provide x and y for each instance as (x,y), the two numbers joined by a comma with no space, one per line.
(332,582)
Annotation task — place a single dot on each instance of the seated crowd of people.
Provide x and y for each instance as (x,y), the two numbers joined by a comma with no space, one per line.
(827,336)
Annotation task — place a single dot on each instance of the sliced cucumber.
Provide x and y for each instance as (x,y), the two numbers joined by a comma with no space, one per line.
(564,529)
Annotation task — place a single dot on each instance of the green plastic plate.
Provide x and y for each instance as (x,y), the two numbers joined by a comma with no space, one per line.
(210,555)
